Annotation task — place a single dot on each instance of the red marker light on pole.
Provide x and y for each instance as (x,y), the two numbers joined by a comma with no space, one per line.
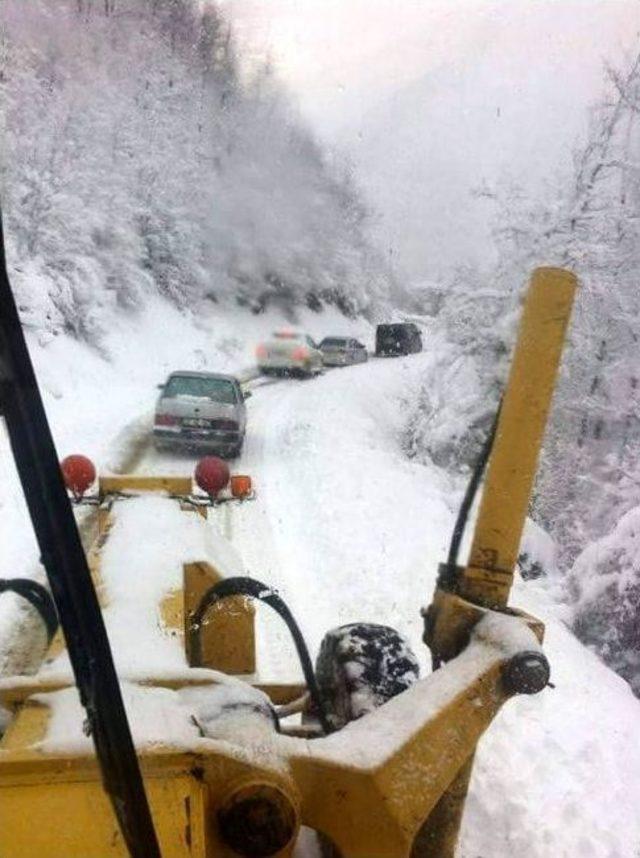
(78,473)
(212,475)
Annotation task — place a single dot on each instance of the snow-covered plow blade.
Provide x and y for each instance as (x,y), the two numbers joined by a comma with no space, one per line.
(221,772)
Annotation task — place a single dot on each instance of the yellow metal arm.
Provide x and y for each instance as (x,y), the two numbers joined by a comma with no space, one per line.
(485,583)
(369,788)
(512,466)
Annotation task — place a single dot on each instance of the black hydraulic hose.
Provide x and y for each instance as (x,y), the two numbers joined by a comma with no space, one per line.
(37,596)
(245,586)
(69,578)
(448,575)
(470,494)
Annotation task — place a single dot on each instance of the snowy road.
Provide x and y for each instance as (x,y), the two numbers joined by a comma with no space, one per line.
(326,459)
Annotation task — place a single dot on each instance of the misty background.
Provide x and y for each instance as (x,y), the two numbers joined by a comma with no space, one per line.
(431,99)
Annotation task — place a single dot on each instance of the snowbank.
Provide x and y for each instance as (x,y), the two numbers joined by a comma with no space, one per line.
(605,580)
(559,773)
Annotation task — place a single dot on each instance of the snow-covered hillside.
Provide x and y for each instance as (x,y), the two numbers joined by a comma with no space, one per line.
(138,161)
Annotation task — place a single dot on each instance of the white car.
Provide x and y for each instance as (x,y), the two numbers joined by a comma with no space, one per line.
(289,353)
(202,410)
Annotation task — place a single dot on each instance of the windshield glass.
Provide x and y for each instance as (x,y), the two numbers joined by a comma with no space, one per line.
(217,389)
(394,330)
(334,342)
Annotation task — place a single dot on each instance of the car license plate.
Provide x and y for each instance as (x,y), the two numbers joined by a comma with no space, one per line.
(196,423)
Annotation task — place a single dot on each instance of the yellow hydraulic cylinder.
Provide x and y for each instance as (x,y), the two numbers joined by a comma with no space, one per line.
(512,467)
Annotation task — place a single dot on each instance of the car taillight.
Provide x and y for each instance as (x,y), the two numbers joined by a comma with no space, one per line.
(261,351)
(299,353)
(166,420)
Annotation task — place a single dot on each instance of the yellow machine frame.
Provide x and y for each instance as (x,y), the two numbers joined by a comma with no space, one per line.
(390,785)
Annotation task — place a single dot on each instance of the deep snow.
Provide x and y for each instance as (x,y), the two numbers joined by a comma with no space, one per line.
(347,528)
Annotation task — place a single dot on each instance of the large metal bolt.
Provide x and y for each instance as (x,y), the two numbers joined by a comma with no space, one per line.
(526,673)
(257,820)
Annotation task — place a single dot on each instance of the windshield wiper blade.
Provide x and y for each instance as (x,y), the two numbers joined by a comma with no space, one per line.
(69,578)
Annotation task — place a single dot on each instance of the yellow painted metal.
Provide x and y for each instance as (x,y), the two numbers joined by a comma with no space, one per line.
(99,528)
(189,506)
(367,808)
(512,466)
(378,810)
(438,836)
(142,483)
(453,618)
(228,640)
(74,819)
(61,811)
(27,730)
(54,806)
(486,582)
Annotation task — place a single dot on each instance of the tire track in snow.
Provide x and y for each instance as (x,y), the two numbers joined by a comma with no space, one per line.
(255,524)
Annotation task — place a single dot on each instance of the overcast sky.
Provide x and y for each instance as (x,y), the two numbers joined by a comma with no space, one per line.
(430,97)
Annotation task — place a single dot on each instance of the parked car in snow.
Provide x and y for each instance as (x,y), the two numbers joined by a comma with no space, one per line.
(201,409)
(342,351)
(402,338)
(289,353)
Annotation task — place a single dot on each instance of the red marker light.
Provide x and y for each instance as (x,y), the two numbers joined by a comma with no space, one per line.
(212,475)
(78,473)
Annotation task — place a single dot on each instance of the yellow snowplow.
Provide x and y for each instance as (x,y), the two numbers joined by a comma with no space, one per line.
(185,752)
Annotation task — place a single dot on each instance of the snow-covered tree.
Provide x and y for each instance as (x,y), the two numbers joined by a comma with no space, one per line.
(138,158)
(591,460)
(457,405)
(605,584)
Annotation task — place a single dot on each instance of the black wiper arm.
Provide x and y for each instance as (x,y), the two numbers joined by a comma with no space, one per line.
(69,578)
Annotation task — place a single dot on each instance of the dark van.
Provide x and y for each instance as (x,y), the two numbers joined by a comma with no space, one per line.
(400,339)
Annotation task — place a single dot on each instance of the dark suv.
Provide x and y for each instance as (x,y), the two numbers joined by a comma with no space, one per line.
(403,338)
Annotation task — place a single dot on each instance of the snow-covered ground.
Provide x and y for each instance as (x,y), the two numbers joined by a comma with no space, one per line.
(347,528)
(100,403)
